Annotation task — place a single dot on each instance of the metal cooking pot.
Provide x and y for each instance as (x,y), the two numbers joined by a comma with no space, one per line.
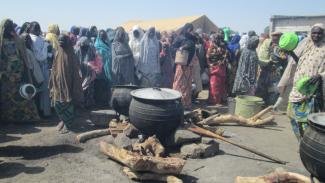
(121,98)
(156,111)
(312,146)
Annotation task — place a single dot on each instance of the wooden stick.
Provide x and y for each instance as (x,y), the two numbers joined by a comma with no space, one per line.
(206,120)
(137,162)
(274,177)
(261,113)
(150,176)
(83,137)
(205,132)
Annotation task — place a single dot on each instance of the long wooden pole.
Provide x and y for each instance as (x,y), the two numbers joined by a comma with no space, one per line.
(205,132)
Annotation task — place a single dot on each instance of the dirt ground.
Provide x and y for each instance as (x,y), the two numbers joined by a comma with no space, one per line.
(37,153)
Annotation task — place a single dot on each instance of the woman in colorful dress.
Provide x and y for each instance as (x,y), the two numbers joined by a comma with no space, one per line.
(183,76)
(103,81)
(217,58)
(13,73)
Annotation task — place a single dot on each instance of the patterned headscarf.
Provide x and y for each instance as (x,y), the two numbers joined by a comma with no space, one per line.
(252,42)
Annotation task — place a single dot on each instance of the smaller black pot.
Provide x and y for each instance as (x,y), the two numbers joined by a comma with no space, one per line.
(121,98)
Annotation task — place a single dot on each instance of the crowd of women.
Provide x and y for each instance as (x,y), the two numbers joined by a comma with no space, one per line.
(78,68)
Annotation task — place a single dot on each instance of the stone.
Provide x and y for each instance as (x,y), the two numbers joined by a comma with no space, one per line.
(181,137)
(209,150)
(207,140)
(102,117)
(122,141)
(193,151)
(131,131)
(196,151)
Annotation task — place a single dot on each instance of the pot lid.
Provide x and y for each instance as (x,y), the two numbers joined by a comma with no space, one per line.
(317,118)
(156,94)
(127,86)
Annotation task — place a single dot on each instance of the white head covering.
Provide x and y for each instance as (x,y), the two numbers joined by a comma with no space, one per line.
(134,43)
(320,25)
(149,53)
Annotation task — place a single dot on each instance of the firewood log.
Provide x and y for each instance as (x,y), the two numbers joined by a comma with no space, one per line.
(151,145)
(137,162)
(281,177)
(253,121)
(150,176)
(83,137)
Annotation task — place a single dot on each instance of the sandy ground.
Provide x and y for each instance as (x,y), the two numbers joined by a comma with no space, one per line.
(37,153)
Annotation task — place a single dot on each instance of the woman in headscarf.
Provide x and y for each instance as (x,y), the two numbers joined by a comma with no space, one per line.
(83,32)
(148,68)
(25,28)
(310,63)
(166,65)
(122,60)
(110,35)
(93,32)
(183,76)
(103,80)
(40,49)
(218,58)
(74,32)
(234,48)
(135,38)
(65,84)
(86,55)
(13,73)
(234,55)
(245,82)
(31,62)
(53,32)
(273,61)
(243,40)
(171,38)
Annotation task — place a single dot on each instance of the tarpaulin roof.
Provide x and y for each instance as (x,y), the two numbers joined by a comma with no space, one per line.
(175,24)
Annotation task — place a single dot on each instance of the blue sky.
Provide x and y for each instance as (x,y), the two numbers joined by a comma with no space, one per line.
(240,15)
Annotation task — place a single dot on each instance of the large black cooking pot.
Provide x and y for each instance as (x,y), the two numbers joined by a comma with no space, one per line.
(312,146)
(121,98)
(156,111)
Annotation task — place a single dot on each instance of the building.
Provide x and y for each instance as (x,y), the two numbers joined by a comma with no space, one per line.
(298,24)
(174,24)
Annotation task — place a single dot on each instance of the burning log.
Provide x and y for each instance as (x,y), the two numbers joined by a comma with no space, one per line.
(253,121)
(138,162)
(275,177)
(150,147)
(150,176)
(83,137)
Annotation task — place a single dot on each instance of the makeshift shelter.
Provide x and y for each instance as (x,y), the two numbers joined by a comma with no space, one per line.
(174,24)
